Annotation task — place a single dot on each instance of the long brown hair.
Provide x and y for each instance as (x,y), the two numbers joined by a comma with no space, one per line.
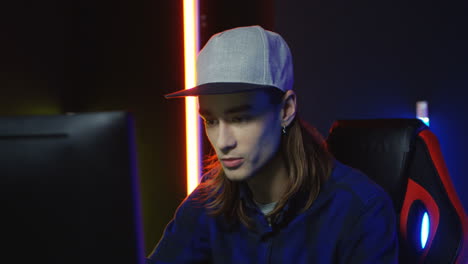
(308,163)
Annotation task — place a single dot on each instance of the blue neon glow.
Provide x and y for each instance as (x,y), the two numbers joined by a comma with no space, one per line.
(422,111)
(425,120)
(424,230)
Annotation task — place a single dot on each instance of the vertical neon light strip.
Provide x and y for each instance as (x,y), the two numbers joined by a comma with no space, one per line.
(422,111)
(192,120)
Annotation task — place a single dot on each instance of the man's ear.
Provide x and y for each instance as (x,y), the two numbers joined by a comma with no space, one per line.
(288,111)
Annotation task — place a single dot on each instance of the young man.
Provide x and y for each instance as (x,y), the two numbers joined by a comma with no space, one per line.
(272,193)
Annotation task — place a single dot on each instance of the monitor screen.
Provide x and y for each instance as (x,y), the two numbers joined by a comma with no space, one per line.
(69,189)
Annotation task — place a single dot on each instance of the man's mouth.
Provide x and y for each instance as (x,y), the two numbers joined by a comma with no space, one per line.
(232,163)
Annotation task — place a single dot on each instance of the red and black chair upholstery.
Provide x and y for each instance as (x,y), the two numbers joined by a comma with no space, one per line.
(403,156)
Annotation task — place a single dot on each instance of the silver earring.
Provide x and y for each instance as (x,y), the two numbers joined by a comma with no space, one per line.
(284,130)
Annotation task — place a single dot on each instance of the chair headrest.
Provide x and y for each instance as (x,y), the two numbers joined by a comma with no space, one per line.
(378,147)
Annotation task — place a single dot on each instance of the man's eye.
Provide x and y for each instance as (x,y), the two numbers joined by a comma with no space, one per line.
(239,119)
(210,122)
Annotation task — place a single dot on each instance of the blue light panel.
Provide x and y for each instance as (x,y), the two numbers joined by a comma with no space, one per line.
(424,229)
(422,111)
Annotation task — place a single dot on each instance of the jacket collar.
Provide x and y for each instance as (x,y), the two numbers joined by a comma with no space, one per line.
(290,209)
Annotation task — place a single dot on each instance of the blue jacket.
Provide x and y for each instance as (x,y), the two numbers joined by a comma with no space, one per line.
(351,221)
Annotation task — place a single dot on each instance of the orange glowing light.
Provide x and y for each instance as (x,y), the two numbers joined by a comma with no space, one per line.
(192,120)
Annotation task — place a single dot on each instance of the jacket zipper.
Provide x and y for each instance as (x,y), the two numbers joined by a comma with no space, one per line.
(270,243)
(269,249)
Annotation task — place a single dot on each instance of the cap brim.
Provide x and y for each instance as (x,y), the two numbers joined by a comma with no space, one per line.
(218,88)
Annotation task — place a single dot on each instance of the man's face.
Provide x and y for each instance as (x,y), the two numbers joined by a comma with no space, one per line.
(243,128)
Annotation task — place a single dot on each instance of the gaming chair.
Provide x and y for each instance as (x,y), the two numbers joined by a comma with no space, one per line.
(403,156)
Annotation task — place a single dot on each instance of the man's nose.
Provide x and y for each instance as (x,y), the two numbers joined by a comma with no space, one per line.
(226,140)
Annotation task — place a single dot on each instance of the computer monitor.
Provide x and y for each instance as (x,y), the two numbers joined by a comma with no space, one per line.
(69,189)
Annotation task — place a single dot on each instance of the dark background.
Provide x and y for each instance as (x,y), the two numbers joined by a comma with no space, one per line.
(353,59)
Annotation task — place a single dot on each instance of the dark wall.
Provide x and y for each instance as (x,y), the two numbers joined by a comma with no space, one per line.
(375,59)
(31,57)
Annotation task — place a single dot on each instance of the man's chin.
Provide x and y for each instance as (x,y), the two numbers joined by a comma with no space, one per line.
(236,177)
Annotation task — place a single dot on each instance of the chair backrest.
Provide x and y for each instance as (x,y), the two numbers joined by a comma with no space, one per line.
(403,156)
